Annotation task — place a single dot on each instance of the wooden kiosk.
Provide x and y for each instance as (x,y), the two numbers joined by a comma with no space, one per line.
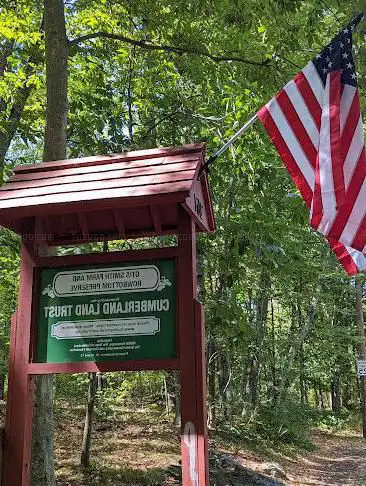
(130,310)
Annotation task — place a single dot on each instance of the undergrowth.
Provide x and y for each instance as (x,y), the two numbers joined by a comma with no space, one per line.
(278,430)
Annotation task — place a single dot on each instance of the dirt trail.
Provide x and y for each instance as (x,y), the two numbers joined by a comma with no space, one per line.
(141,455)
(340,460)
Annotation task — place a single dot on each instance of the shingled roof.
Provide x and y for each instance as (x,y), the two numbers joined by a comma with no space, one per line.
(123,195)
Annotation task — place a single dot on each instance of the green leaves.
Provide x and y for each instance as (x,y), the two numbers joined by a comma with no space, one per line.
(262,265)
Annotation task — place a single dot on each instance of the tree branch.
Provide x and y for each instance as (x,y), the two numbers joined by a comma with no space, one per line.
(166,117)
(5,51)
(129,96)
(167,48)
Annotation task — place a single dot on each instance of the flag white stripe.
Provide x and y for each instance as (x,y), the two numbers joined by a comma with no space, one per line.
(325,168)
(291,142)
(355,218)
(346,103)
(312,75)
(303,111)
(358,258)
(354,153)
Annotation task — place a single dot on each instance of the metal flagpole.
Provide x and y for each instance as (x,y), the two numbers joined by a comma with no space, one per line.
(220,151)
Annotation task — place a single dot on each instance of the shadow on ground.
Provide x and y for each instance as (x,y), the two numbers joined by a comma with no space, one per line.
(104,476)
(108,476)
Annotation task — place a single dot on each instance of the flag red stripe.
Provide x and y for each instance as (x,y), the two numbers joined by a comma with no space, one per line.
(291,165)
(359,240)
(317,207)
(334,79)
(360,237)
(352,193)
(342,89)
(344,257)
(350,126)
(307,93)
(297,126)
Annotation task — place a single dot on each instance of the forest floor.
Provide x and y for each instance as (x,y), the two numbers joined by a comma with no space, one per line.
(140,453)
(339,460)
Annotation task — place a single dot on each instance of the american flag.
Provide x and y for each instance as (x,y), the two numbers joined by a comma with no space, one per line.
(315,123)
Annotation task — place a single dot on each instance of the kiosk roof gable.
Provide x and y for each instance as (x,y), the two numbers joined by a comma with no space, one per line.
(105,197)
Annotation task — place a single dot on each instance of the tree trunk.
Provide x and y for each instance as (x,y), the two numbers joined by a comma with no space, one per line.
(336,393)
(297,343)
(303,387)
(361,347)
(253,381)
(262,302)
(224,386)
(20,98)
(211,367)
(56,50)
(167,400)
(2,385)
(273,355)
(6,50)
(322,406)
(347,396)
(12,122)
(85,448)
(42,470)
(176,392)
(95,384)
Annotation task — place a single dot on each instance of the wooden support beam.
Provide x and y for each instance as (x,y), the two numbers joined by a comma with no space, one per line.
(83,224)
(154,212)
(133,234)
(40,238)
(103,258)
(118,219)
(103,366)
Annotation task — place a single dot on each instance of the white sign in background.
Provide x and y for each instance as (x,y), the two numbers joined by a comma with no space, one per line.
(129,326)
(361,367)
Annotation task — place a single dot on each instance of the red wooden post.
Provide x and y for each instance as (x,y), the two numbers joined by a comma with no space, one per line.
(18,429)
(201,393)
(194,462)
(9,400)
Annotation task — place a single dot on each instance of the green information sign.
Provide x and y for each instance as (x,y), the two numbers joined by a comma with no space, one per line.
(113,312)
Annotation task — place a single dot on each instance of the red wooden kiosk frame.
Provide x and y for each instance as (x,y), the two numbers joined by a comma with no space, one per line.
(46,204)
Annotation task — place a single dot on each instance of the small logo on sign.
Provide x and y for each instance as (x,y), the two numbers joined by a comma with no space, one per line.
(164,282)
(198,206)
(49,291)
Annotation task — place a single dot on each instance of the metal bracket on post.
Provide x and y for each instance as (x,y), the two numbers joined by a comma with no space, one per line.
(223,149)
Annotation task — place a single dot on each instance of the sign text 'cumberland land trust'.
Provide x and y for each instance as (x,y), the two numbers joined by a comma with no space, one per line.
(98,313)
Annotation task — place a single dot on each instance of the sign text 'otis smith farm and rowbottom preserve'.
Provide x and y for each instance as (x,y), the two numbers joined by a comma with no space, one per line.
(107,312)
